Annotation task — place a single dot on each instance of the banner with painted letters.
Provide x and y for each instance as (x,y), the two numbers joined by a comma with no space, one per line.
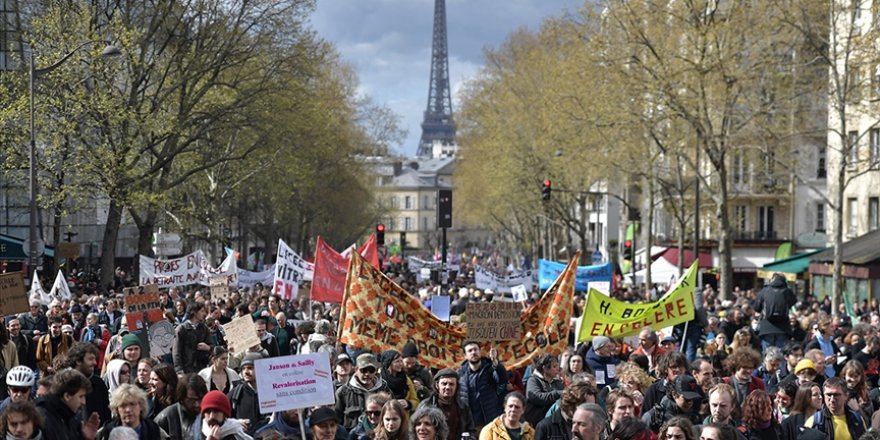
(606,316)
(486,279)
(290,269)
(379,315)
(189,269)
(549,270)
(250,279)
(331,267)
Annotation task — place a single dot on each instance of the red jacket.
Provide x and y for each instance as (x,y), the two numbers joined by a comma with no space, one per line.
(658,351)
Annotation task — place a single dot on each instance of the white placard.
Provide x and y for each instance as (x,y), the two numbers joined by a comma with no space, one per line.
(519,293)
(293,382)
(602,286)
(290,269)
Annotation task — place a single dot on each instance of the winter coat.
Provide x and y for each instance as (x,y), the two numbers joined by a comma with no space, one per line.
(791,427)
(555,427)
(661,413)
(351,400)
(755,383)
(149,430)
(424,376)
(186,357)
(29,323)
(822,421)
(605,376)
(465,417)
(59,421)
(232,378)
(175,421)
(245,405)
(774,302)
(44,350)
(541,394)
(497,431)
(483,389)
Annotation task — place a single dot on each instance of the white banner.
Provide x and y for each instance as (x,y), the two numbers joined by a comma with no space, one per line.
(60,290)
(189,269)
(250,279)
(290,269)
(486,279)
(37,293)
(293,382)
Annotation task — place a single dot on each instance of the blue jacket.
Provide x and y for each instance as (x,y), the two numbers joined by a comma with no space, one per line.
(483,390)
(599,365)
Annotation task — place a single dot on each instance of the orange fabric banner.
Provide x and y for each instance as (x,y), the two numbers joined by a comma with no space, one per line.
(379,315)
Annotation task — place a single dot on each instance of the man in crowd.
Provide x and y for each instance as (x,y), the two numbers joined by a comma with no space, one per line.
(670,366)
(588,422)
(243,397)
(649,346)
(267,339)
(19,383)
(324,423)
(83,357)
(479,379)
(34,323)
(446,398)
(26,346)
(703,372)
(192,341)
(177,420)
(66,396)
(835,420)
(741,363)
(342,370)
(52,345)
(351,398)
(216,421)
(773,303)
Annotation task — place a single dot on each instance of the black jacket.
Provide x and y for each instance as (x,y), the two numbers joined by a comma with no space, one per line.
(854,421)
(465,417)
(774,302)
(245,405)
(482,390)
(175,421)
(541,394)
(98,400)
(59,421)
(149,430)
(554,427)
(186,357)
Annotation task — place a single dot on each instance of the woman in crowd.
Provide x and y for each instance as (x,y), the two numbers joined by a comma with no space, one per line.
(144,368)
(757,417)
(163,389)
(129,406)
(634,379)
(677,428)
(401,386)
(573,367)
(632,429)
(118,373)
(719,431)
(857,384)
(394,423)
(508,425)
(621,405)
(429,423)
(21,421)
(784,400)
(543,389)
(741,339)
(807,401)
(218,375)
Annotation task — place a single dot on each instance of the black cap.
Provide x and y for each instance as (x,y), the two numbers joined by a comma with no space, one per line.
(688,387)
(410,350)
(322,415)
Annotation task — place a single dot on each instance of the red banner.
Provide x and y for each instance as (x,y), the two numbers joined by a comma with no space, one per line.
(328,283)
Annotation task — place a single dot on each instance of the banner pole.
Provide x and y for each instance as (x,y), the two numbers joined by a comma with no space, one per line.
(339,327)
(302,423)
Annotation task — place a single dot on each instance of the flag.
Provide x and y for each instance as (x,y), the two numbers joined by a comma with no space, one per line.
(328,284)
(379,315)
(60,290)
(370,250)
(37,293)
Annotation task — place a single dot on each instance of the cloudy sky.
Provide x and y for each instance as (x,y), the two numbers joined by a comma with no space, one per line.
(389,43)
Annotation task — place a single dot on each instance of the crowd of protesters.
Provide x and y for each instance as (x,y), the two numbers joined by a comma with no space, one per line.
(763,365)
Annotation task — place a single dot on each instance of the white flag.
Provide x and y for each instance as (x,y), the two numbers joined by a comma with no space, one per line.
(37,292)
(60,289)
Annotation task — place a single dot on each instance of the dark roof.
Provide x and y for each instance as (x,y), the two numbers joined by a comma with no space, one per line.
(860,250)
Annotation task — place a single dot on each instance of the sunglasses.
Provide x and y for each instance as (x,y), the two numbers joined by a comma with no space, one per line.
(368,370)
(19,389)
(373,413)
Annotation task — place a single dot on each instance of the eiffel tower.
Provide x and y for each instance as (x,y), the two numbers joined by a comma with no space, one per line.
(438,124)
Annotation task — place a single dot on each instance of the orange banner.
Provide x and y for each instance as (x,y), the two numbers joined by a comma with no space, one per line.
(379,315)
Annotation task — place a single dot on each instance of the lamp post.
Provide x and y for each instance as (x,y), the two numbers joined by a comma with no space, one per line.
(33,74)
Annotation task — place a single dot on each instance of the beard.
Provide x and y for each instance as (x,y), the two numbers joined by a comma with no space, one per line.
(577,436)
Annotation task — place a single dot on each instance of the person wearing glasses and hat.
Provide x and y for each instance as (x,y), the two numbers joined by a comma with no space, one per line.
(446,398)
(351,397)
(683,396)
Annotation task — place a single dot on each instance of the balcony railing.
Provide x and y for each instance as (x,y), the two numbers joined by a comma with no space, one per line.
(756,235)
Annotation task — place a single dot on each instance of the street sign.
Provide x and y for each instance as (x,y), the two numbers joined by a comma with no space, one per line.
(26,247)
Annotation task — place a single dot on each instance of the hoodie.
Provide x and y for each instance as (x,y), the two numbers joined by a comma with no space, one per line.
(351,400)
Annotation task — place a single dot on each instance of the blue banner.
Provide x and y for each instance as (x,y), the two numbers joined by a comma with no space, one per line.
(548,271)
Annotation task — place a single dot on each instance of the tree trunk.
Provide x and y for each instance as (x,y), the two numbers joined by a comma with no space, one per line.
(649,231)
(725,243)
(108,244)
(837,269)
(146,227)
(56,235)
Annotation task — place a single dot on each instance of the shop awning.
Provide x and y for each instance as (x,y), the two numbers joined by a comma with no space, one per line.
(790,267)
(11,249)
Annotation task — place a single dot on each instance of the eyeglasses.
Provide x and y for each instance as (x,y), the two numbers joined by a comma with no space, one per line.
(368,370)
(19,389)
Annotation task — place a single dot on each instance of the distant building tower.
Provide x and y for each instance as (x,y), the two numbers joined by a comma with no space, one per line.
(438,126)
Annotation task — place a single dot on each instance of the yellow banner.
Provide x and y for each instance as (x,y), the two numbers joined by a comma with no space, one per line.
(606,316)
(379,315)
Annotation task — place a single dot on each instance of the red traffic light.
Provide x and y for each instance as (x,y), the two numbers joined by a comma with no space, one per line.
(380,228)
(627,243)
(547,183)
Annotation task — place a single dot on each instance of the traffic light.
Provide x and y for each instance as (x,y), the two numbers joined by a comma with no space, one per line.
(628,250)
(402,240)
(546,187)
(380,234)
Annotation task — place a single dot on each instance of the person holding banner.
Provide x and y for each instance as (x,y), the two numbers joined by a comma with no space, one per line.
(480,380)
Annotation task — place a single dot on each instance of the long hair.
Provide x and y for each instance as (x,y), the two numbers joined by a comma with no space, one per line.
(27,409)
(802,398)
(678,422)
(757,409)
(856,368)
(380,433)
(166,374)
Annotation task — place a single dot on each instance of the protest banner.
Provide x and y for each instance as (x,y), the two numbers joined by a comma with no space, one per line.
(549,270)
(294,382)
(606,316)
(161,336)
(486,279)
(227,269)
(142,306)
(290,269)
(241,333)
(37,293)
(331,267)
(219,287)
(250,279)
(13,294)
(60,290)
(379,315)
(494,321)
(189,269)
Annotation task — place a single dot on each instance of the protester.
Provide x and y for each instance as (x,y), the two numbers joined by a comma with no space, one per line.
(677,428)
(480,378)
(741,363)
(682,396)
(446,397)
(508,425)
(52,345)
(543,389)
(773,303)
(835,420)
(20,420)
(420,376)
(757,417)
(401,386)
(162,389)
(324,423)
(669,367)
(371,417)
(129,406)
(588,422)
(351,397)
(807,401)
(243,397)
(216,421)
(19,383)
(218,375)
(177,419)
(395,423)
(428,423)
(621,405)
(118,373)
(631,429)
(602,361)
(66,397)
(191,343)
(649,346)
(144,368)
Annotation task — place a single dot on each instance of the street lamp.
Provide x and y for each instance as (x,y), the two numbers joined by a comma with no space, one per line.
(33,74)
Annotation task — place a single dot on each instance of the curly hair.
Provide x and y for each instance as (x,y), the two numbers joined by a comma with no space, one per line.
(678,422)
(27,409)
(435,417)
(128,393)
(742,357)
(632,374)
(671,359)
(757,409)
(574,395)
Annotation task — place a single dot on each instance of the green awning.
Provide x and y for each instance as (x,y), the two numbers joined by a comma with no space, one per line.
(791,266)
(11,249)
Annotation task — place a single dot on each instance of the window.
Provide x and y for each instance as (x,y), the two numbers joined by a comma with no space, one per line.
(392,224)
(873,213)
(741,216)
(875,77)
(407,224)
(425,204)
(853,157)
(738,166)
(765,222)
(424,223)
(821,172)
(854,84)
(408,203)
(820,217)
(857,9)
(395,202)
(875,145)
(853,228)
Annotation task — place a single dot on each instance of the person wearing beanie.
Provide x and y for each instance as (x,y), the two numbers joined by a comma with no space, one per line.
(131,349)
(243,397)
(420,376)
(599,357)
(402,388)
(77,318)
(446,399)
(216,422)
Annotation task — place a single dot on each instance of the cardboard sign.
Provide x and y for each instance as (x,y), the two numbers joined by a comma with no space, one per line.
(13,295)
(219,287)
(494,321)
(241,334)
(290,269)
(519,293)
(67,250)
(142,306)
(293,382)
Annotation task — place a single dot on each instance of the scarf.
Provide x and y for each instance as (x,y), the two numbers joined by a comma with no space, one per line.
(230,427)
(38,436)
(396,383)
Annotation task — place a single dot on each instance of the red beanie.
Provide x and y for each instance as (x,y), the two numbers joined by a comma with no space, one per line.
(217,400)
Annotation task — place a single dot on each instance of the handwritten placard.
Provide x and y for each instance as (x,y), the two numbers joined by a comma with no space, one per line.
(142,306)
(13,295)
(494,321)
(519,293)
(293,382)
(219,287)
(241,333)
